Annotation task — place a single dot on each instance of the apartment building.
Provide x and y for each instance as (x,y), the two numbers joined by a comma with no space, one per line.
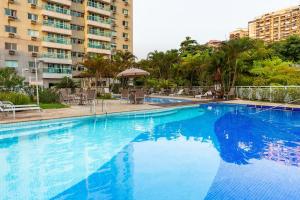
(239,33)
(56,35)
(277,25)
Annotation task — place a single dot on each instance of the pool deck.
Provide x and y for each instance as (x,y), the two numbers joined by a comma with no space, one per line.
(113,106)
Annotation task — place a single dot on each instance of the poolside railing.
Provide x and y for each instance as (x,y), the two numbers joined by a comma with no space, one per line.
(276,94)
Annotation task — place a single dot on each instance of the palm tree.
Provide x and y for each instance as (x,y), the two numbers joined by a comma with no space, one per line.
(123,60)
(97,67)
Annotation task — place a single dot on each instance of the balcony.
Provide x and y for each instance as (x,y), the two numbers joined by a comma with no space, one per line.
(57,73)
(99,35)
(59,58)
(64,2)
(106,1)
(99,48)
(98,8)
(57,12)
(99,22)
(56,27)
(57,43)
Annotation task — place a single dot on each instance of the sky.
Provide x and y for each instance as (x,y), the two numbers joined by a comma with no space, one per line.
(163,24)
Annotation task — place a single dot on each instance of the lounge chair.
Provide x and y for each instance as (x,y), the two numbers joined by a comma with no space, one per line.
(139,96)
(206,95)
(162,91)
(231,93)
(179,93)
(6,107)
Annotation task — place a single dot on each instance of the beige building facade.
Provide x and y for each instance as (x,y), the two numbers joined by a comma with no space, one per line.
(56,35)
(276,25)
(239,33)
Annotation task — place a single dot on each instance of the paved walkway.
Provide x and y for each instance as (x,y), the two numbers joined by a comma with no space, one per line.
(112,106)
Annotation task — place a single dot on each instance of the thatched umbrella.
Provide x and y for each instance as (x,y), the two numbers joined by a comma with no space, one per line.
(133,72)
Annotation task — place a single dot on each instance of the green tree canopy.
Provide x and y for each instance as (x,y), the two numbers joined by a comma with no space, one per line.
(9,78)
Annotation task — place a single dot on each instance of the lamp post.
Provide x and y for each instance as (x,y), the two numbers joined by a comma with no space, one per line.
(36,66)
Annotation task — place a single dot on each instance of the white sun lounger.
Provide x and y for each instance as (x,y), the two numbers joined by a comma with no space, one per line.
(6,106)
(207,94)
(179,93)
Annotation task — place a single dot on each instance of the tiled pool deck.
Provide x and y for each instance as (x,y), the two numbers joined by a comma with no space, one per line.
(113,106)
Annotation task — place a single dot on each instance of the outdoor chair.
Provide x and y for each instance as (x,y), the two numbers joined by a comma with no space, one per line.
(124,96)
(65,96)
(186,91)
(6,107)
(139,96)
(207,94)
(230,94)
(90,96)
(179,93)
(162,91)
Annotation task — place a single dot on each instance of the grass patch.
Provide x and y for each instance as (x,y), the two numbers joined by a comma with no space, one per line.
(53,106)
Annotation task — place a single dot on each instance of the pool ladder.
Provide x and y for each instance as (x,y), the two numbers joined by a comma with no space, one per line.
(274,107)
(103,106)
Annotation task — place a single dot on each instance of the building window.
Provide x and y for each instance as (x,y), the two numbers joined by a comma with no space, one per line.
(77,41)
(10,46)
(77,27)
(76,13)
(10,29)
(33,2)
(10,12)
(125,47)
(31,64)
(78,1)
(11,63)
(32,17)
(125,23)
(32,33)
(32,48)
(125,35)
(125,11)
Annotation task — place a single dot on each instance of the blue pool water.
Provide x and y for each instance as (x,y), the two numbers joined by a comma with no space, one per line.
(208,152)
(158,100)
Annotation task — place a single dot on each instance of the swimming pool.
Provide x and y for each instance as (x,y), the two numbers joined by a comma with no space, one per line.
(211,151)
(158,100)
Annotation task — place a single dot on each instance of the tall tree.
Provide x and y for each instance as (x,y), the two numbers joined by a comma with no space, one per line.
(98,67)
(288,49)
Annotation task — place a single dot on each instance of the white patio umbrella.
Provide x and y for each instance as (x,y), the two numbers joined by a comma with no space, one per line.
(133,72)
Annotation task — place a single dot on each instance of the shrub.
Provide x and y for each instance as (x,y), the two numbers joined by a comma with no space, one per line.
(49,96)
(104,96)
(15,98)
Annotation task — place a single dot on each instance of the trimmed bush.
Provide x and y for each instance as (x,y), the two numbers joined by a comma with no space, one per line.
(49,96)
(15,98)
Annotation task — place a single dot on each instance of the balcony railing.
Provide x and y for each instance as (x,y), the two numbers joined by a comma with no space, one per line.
(57,40)
(57,24)
(98,5)
(57,9)
(58,70)
(99,46)
(100,19)
(100,33)
(57,55)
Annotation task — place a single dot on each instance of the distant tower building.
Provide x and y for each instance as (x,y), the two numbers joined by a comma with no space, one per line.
(60,33)
(239,33)
(276,25)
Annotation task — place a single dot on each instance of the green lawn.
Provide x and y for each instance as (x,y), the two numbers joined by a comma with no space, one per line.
(53,105)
